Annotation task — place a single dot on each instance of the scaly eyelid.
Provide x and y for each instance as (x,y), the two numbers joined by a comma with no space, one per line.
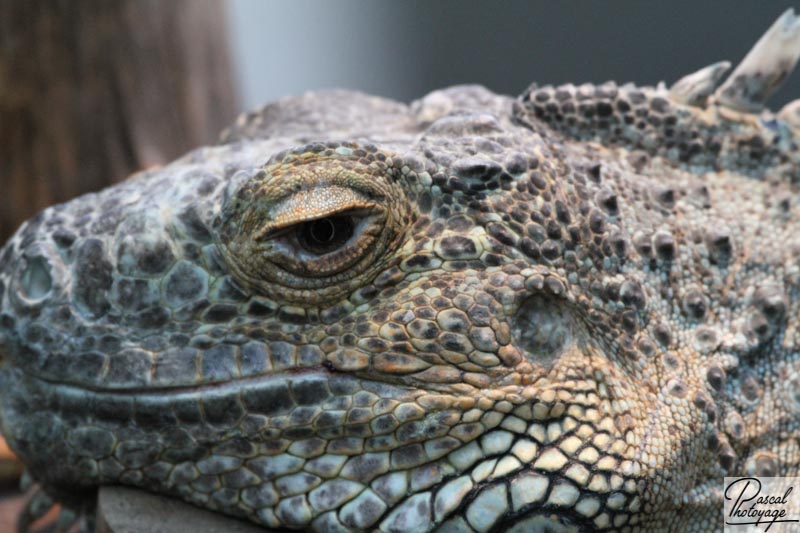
(312,204)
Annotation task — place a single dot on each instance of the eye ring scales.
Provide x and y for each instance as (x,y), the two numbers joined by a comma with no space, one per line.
(313,224)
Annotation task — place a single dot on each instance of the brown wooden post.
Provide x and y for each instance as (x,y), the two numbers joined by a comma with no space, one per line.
(93,90)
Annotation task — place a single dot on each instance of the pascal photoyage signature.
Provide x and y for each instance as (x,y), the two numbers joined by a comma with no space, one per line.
(753,508)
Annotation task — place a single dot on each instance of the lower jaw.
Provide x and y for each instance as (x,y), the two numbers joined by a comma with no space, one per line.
(60,430)
(65,433)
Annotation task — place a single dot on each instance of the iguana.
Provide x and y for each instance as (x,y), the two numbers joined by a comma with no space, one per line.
(576,309)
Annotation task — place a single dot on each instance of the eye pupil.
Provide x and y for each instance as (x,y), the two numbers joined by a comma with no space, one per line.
(325,235)
(323,231)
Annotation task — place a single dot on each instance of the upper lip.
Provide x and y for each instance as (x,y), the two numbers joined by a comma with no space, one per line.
(187,388)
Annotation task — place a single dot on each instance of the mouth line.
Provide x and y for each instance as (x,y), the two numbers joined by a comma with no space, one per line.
(200,388)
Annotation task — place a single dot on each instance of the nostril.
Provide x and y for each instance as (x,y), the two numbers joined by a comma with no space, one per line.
(36,281)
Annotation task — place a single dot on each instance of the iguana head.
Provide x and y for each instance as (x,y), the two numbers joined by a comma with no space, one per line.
(574,309)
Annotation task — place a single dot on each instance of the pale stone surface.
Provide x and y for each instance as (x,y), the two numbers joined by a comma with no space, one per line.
(125,510)
(10,506)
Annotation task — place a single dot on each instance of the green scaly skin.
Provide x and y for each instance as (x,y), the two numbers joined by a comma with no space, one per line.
(576,309)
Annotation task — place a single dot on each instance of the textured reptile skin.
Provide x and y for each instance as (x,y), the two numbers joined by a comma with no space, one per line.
(576,309)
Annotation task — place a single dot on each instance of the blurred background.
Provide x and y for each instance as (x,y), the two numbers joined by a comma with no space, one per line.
(405,49)
(93,90)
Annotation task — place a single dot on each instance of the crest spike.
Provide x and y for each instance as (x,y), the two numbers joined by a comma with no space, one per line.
(763,69)
(695,88)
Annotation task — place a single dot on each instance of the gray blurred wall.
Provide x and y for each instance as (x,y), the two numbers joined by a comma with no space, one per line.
(403,49)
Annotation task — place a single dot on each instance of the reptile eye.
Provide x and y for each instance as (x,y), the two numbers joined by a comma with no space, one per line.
(314,229)
(325,246)
(325,235)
